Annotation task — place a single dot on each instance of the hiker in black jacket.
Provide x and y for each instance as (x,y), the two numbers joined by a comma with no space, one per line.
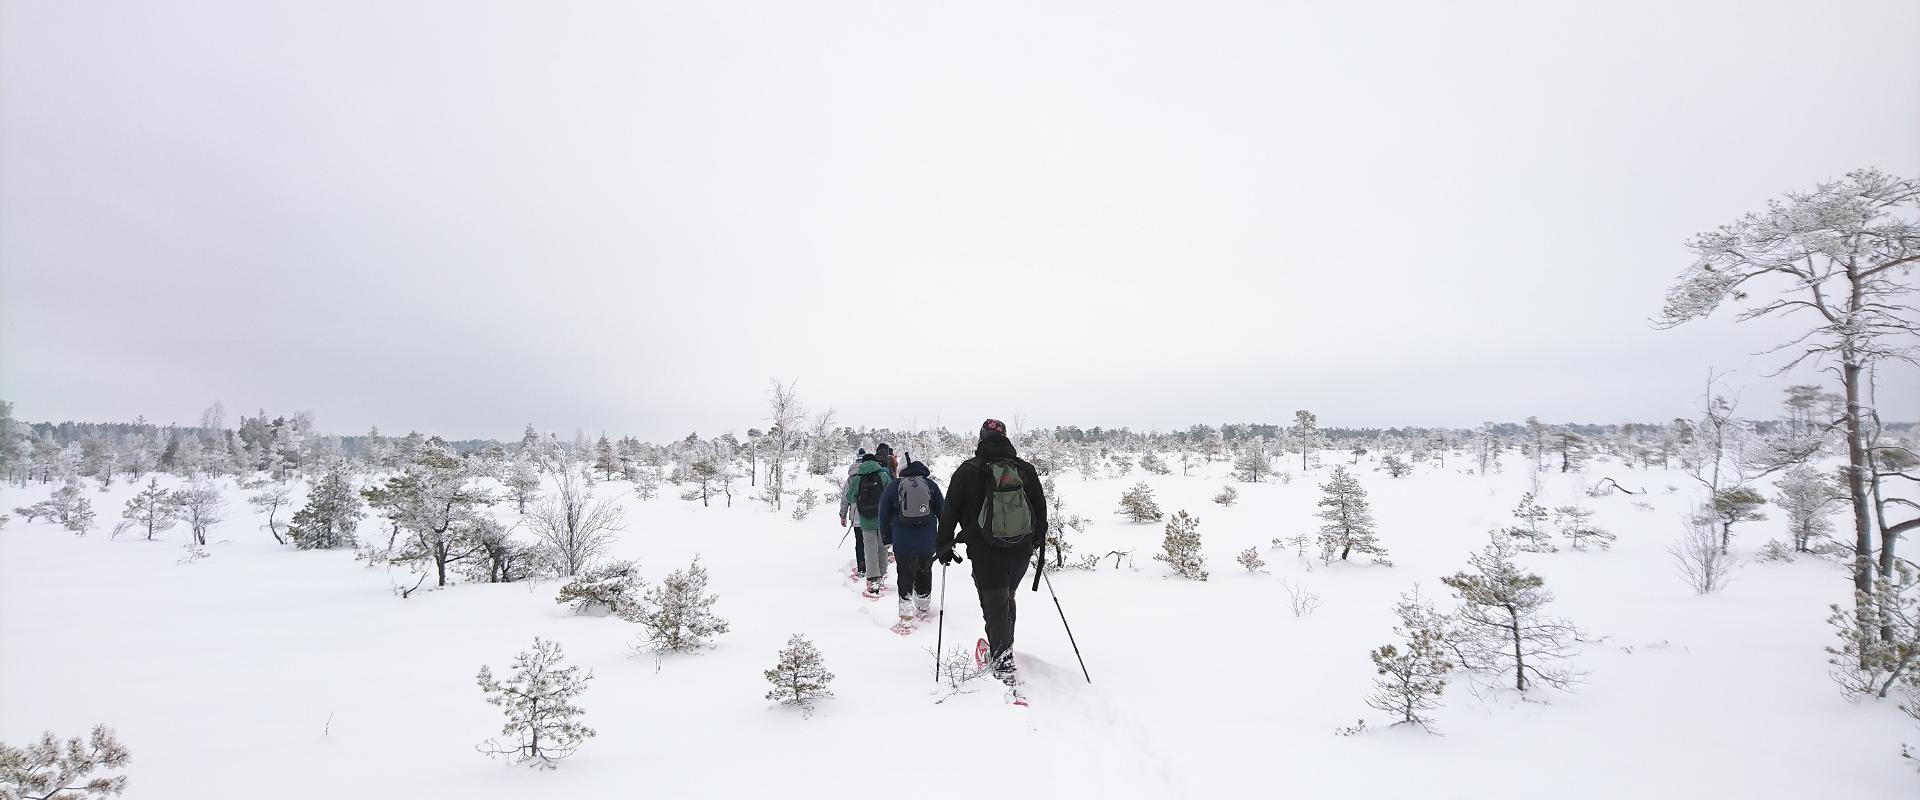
(995,500)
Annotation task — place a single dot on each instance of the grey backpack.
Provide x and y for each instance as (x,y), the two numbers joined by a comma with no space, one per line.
(914,500)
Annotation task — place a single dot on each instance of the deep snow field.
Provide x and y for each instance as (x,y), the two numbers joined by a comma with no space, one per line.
(267,672)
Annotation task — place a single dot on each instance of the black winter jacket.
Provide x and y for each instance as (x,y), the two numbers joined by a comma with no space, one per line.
(972,483)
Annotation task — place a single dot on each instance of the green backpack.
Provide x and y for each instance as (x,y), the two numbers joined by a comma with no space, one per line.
(1005,518)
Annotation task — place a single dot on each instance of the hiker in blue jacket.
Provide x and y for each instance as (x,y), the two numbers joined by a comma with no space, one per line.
(910,518)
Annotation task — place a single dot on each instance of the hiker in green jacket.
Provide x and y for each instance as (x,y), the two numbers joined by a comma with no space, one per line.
(869,479)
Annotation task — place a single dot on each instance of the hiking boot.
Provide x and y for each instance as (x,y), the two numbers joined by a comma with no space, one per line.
(1003,670)
(906,609)
(873,590)
(922,606)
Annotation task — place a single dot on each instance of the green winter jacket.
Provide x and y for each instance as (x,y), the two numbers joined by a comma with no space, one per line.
(852,494)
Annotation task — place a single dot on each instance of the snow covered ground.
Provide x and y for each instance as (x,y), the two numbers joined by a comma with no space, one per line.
(269,672)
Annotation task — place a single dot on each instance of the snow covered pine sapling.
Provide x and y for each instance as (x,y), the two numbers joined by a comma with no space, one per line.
(1227,496)
(66,507)
(801,677)
(682,618)
(1349,527)
(612,588)
(1137,504)
(201,507)
(45,770)
(1411,676)
(1576,524)
(1250,558)
(1181,547)
(332,513)
(269,500)
(542,721)
(1500,625)
(1531,533)
(1394,466)
(151,512)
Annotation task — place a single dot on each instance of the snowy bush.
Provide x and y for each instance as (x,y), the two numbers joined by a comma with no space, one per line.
(680,616)
(612,588)
(1531,535)
(1698,555)
(542,722)
(1227,496)
(805,504)
(66,508)
(523,482)
(574,529)
(1395,467)
(201,507)
(48,770)
(1575,523)
(1138,506)
(1250,558)
(1774,551)
(498,558)
(1879,649)
(1411,676)
(1181,547)
(1154,464)
(1500,627)
(801,676)
(332,512)
(151,512)
(1349,527)
(1804,497)
(1300,601)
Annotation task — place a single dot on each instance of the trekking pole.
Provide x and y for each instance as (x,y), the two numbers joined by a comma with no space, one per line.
(1063,624)
(843,537)
(940,630)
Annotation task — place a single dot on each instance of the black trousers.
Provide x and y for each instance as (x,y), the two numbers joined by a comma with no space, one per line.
(996,576)
(860,550)
(916,574)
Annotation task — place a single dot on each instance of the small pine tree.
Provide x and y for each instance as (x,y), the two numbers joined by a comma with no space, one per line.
(1137,504)
(49,771)
(523,482)
(1227,496)
(269,500)
(1499,622)
(1531,533)
(1736,505)
(151,512)
(1576,524)
(1412,675)
(332,512)
(612,588)
(1395,467)
(801,677)
(1804,496)
(1181,547)
(1154,464)
(542,721)
(1251,466)
(201,507)
(1349,527)
(681,618)
(1250,558)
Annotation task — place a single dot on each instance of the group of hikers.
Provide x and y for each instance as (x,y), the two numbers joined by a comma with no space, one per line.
(993,504)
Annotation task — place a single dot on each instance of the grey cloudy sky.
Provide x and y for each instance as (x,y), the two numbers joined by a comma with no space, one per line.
(461,216)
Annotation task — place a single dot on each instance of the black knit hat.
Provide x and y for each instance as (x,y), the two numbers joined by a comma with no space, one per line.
(993,427)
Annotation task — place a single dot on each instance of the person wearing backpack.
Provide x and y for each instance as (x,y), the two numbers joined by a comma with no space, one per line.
(869,481)
(996,502)
(910,519)
(883,453)
(846,504)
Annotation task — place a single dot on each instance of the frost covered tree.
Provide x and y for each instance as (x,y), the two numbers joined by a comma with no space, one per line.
(151,512)
(270,498)
(1306,432)
(332,512)
(543,723)
(1154,464)
(801,677)
(1250,558)
(1252,466)
(523,482)
(611,588)
(603,458)
(1137,504)
(680,614)
(1838,258)
(1804,497)
(434,501)
(1412,675)
(1394,466)
(1180,549)
(788,416)
(1576,524)
(1531,534)
(50,770)
(499,557)
(1349,527)
(65,507)
(1500,623)
(1735,505)
(1227,496)
(1883,652)
(201,507)
(573,526)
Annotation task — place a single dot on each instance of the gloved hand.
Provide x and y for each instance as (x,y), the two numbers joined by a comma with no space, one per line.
(947,557)
(843,519)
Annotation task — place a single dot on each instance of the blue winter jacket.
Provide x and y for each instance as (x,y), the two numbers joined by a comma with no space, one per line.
(909,539)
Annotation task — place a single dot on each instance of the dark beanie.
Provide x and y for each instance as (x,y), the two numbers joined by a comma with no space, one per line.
(992,427)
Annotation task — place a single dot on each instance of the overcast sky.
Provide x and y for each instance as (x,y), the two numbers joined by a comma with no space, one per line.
(461,216)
